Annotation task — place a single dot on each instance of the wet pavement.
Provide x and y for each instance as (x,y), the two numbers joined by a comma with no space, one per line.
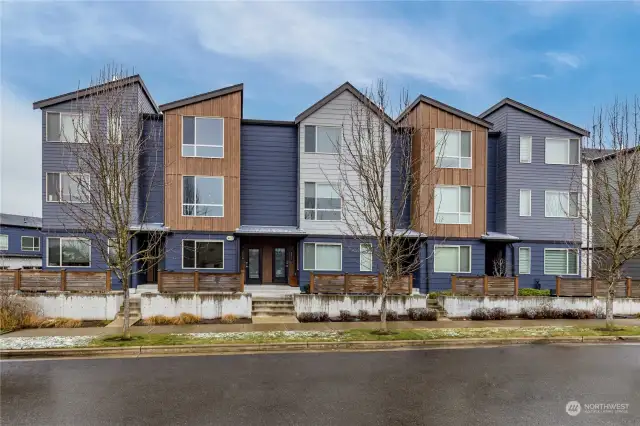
(516,385)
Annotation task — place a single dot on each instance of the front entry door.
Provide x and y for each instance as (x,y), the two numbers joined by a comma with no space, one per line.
(279,265)
(253,267)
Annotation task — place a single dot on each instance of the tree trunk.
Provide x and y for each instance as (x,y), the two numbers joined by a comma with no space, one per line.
(383,305)
(126,333)
(609,307)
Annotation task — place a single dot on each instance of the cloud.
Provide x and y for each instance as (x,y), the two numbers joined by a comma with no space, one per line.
(20,155)
(564,59)
(540,76)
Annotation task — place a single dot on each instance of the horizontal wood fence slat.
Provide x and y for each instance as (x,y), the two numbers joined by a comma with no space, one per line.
(357,284)
(484,285)
(61,280)
(591,287)
(176,282)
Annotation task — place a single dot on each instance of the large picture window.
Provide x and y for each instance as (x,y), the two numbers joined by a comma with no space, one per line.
(68,187)
(453,149)
(69,251)
(202,254)
(203,137)
(63,127)
(203,196)
(562,151)
(322,139)
(321,202)
(560,262)
(452,204)
(30,243)
(322,257)
(452,259)
(561,204)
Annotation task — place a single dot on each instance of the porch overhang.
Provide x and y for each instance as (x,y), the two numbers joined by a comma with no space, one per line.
(279,231)
(499,237)
(408,233)
(150,227)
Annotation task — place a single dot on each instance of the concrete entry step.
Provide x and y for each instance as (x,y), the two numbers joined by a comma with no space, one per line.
(289,319)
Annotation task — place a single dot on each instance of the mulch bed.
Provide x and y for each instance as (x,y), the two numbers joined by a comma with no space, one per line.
(202,321)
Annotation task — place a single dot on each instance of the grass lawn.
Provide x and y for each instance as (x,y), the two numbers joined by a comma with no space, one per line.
(358,335)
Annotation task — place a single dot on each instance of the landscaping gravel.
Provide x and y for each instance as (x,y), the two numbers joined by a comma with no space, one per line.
(44,342)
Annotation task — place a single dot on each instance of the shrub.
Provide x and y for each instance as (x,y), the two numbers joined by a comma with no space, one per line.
(422,314)
(313,317)
(435,294)
(16,312)
(187,318)
(158,320)
(345,315)
(578,314)
(363,315)
(533,292)
(480,314)
(391,315)
(498,314)
(228,319)
(60,322)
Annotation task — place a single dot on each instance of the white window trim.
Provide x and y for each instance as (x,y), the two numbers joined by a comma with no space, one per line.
(33,240)
(315,208)
(46,187)
(195,253)
(520,204)
(460,157)
(520,264)
(566,214)
(437,211)
(315,259)
(60,114)
(195,189)
(544,261)
(195,138)
(530,149)
(7,238)
(458,247)
(315,149)
(568,141)
(68,238)
(370,253)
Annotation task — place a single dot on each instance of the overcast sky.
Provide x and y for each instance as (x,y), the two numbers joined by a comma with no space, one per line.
(564,58)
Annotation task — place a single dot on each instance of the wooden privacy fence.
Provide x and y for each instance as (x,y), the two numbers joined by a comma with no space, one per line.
(591,287)
(62,280)
(175,282)
(357,284)
(484,285)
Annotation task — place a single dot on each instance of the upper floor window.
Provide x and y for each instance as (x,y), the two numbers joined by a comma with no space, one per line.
(322,139)
(203,196)
(560,262)
(202,254)
(68,251)
(453,149)
(203,137)
(4,242)
(452,204)
(30,243)
(562,151)
(321,202)
(68,187)
(561,203)
(525,202)
(64,127)
(366,257)
(114,130)
(526,144)
(452,259)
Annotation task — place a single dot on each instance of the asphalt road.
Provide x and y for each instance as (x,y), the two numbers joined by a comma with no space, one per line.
(517,385)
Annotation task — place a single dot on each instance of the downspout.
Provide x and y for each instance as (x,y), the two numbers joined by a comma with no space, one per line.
(513,260)
(589,248)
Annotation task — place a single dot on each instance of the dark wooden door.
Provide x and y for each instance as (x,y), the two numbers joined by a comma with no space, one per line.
(253,270)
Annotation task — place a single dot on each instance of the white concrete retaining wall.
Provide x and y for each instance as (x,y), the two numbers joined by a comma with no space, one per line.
(84,306)
(333,304)
(461,306)
(204,304)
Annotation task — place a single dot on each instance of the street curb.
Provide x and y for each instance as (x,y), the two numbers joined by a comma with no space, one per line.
(302,346)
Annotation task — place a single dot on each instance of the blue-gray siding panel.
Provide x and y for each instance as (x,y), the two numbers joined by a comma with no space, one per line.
(492,176)
(152,172)
(437,281)
(173,251)
(14,233)
(401,212)
(537,275)
(268,175)
(499,120)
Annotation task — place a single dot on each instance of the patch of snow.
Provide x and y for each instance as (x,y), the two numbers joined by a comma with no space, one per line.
(41,342)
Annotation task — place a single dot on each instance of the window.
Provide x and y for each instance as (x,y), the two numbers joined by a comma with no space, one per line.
(30,243)
(453,149)
(202,254)
(366,257)
(69,251)
(61,127)
(115,130)
(203,196)
(322,257)
(525,202)
(68,187)
(4,242)
(453,204)
(524,260)
(203,137)
(112,250)
(322,139)
(560,262)
(561,204)
(321,202)
(526,145)
(562,151)
(452,259)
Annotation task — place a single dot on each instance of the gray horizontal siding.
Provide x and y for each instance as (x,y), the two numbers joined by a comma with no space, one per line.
(15,234)
(492,179)
(268,175)
(151,203)
(537,278)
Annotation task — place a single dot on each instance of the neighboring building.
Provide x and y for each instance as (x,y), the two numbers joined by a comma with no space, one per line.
(20,241)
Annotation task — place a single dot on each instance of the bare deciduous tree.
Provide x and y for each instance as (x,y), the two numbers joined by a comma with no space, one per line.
(611,185)
(500,267)
(110,171)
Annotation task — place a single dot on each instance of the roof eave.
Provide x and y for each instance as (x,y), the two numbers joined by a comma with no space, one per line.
(202,97)
(437,104)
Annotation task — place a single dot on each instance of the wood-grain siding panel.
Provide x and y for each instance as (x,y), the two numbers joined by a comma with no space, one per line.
(426,119)
(228,107)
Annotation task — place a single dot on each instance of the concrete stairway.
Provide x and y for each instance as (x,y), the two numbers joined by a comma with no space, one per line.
(433,304)
(273,310)
(134,313)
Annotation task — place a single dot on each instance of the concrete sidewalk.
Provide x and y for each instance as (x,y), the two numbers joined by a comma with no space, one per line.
(322,326)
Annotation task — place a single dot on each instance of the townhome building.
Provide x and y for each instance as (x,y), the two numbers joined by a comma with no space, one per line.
(20,241)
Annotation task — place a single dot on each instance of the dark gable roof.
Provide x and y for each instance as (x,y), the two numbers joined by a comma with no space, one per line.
(344,87)
(444,107)
(535,113)
(90,90)
(21,221)
(608,154)
(596,153)
(202,97)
